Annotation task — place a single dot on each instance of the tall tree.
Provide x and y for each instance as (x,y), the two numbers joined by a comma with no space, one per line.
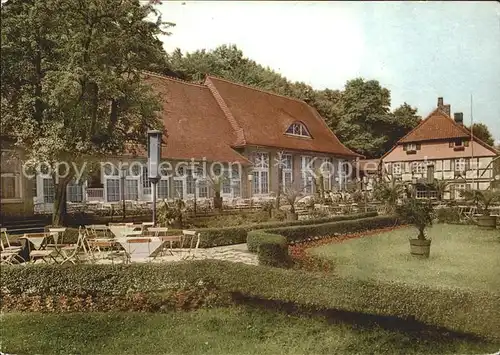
(482,132)
(365,107)
(403,120)
(71,80)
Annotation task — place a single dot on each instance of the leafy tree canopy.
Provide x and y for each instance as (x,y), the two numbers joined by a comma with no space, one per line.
(360,114)
(71,85)
(482,132)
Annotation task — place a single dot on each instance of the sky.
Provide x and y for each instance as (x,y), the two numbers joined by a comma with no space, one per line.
(418,50)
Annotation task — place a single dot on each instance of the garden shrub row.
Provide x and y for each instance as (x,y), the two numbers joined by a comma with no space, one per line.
(212,237)
(156,287)
(272,249)
(295,234)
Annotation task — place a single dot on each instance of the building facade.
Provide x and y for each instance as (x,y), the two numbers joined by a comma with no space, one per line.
(250,136)
(441,148)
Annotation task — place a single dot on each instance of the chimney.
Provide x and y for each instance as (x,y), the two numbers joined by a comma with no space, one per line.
(440,102)
(447,109)
(459,118)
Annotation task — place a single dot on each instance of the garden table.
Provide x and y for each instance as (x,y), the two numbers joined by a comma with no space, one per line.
(37,239)
(141,248)
(124,230)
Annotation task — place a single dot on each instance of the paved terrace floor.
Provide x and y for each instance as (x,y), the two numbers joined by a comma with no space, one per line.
(237,253)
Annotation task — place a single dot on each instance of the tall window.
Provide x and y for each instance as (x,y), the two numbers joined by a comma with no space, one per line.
(163,188)
(261,173)
(131,190)
(298,129)
(113,190)
(10,176)
(178,188)
(327,172)
(306,172)
(460,164)
(202,183)
(286,164)
(236,181)
(75,192)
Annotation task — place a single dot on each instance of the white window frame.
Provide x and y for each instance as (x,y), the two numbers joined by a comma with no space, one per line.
(327,172)
(411,147)
(16,174)
(260,185)
(286,164)
(298,129)
(397,169)
(307,179)
(419,167)
(460,165)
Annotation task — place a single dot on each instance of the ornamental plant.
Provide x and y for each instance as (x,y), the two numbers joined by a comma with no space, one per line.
(419,213)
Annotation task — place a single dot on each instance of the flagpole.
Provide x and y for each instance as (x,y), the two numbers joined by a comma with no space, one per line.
(472,141)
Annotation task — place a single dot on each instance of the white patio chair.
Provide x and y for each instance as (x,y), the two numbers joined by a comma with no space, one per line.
(70,253)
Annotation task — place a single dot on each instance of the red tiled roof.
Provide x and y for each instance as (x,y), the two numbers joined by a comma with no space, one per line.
(438,125)
(196,126)
(261,118)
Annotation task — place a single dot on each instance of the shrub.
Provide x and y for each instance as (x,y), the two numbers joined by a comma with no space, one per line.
(212,237)
(418,213)
(305,232)
(274,252)
(201,283)
(448,215)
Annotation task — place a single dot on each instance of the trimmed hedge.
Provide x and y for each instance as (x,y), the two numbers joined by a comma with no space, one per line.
(213,237)
(204,283)
(272,249)
(296,234)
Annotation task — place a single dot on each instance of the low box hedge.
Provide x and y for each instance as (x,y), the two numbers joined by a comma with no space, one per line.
(213,237)
(294,234)
(272,249)
(460,310)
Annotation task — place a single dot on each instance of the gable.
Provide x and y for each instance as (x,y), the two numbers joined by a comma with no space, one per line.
(437,126)
(265,117)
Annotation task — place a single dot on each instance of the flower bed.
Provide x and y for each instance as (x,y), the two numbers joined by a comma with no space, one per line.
(302,259)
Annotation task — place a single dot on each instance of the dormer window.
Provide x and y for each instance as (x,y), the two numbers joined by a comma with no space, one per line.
(411,148)
(298,129)
(459,144)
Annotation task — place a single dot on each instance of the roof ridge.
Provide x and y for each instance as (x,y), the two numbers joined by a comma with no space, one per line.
(257,89)
(238,130)
(323,122)
(168,77)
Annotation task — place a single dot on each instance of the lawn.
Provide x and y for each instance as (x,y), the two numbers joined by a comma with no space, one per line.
(236,330)
(461,256)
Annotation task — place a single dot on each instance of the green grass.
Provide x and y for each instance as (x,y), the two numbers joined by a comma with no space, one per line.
(237,330)
(461,256)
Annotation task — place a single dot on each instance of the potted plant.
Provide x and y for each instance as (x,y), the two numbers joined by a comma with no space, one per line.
(216,184)
(389,193)
(483,199)
(420,214)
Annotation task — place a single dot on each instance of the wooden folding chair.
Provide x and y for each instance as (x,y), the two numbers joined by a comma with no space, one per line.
(70,252)
(192,235)
(5,242)
(39,252)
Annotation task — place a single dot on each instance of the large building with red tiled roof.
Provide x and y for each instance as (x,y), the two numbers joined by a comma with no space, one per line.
(262,141)
(442,148)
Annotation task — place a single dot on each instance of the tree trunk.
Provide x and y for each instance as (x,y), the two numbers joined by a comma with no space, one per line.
(59,213)
(421,234)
